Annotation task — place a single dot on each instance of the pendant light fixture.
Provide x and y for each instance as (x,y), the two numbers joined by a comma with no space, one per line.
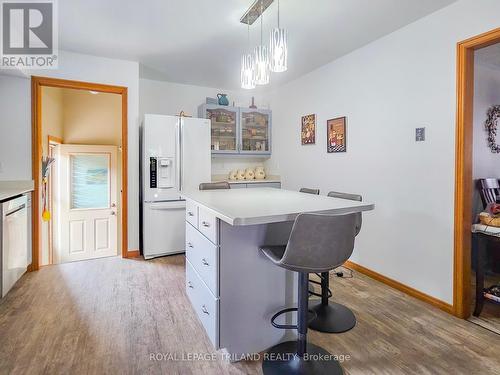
(248,66)
(278,48)
(261,57)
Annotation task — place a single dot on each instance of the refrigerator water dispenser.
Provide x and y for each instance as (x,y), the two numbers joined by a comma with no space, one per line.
(166,173)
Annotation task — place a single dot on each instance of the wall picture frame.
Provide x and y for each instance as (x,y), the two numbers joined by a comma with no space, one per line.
(336,139)
(308,130)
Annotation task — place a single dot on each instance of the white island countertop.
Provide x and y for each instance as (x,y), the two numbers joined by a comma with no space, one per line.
(268,205)
(10,189)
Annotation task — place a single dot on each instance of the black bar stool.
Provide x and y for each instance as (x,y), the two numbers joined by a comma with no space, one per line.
(317,243)
(332,317)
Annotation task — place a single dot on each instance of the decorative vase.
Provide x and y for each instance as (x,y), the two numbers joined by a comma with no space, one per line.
(223,100)
(232,175)
(249,174)
(240,175)
(260,173)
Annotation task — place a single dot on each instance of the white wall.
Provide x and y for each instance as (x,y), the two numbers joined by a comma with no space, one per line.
(15,128)
(168,98)
(387,89)
(87,68)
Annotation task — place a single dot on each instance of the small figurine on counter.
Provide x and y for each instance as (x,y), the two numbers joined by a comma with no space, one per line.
(249,174)
(260,173)
(240,174)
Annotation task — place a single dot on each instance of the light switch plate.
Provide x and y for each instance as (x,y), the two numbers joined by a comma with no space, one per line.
(420,134)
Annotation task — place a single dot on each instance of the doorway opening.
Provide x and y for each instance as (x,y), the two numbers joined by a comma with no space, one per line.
(474,163)
(80,204)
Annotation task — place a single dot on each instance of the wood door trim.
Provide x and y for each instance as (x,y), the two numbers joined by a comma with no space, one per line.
(51,140)
(463,168)
(36,143)
(401,287)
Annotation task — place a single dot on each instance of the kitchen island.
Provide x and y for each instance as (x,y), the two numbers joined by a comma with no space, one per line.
(233,288)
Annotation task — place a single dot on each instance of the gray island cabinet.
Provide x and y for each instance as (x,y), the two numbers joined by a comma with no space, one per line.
(233,288)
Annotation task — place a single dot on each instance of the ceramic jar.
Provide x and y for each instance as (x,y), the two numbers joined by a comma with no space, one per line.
(240,175)
(249,174)
(260,173)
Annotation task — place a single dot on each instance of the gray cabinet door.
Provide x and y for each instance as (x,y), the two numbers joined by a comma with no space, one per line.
(224,133)
(255,131)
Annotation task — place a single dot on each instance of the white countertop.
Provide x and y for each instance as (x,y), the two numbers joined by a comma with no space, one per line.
(268,205)
(9,189)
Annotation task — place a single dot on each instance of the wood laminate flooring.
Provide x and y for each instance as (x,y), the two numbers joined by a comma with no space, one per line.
(108,316)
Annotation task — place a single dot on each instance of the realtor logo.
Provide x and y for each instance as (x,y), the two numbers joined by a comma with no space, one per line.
(29,34)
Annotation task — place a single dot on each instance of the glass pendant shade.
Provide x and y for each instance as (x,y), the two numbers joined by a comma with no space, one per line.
(247,71)
(278,50)
(261,56)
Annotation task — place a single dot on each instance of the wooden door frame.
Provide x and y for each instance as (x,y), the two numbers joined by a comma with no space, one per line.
(463,168)
(51,141)
(36,136)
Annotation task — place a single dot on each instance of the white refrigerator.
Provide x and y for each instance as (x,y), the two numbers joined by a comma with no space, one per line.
(176,157)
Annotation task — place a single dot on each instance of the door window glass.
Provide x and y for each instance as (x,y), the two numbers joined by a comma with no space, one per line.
(89,181)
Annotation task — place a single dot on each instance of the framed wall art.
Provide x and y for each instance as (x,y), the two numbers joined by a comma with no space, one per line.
(308,130)
(336,135)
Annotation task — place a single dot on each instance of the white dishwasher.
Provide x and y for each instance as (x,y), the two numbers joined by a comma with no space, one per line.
(14,240)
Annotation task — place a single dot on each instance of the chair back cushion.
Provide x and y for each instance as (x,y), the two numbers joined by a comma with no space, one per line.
(319,243)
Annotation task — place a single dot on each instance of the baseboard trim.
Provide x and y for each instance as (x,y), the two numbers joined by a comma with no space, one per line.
(402,287)
(132,254)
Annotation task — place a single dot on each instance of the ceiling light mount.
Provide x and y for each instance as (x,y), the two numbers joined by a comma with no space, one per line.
(256,9)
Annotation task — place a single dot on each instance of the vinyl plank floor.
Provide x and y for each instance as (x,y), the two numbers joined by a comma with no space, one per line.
(111,315)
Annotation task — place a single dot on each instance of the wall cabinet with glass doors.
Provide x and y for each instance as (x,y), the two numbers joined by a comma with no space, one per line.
(238,131)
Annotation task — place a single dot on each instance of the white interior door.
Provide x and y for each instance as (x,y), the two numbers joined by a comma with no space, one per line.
(86,202)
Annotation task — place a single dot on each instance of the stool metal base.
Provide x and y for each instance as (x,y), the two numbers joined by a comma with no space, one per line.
(282,359)
(331,318)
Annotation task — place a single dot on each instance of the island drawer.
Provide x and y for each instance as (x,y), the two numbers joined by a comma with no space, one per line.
(204,303)
(203,255)
(208,225)
(192,213)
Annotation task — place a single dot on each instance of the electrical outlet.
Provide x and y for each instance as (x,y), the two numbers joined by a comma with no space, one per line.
(419,134)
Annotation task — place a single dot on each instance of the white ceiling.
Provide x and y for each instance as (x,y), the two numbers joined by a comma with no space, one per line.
(489,55)
(200,41)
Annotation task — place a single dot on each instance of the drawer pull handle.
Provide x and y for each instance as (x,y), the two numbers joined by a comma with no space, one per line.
(204,261)
(205,224)
(190,245)
(190,213)
(204,309)
(190,284)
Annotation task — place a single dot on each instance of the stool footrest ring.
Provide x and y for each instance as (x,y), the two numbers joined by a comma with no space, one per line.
(311,317)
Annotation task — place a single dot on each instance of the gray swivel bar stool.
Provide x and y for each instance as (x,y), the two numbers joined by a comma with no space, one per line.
(215,185)
(333,317)
(317,243)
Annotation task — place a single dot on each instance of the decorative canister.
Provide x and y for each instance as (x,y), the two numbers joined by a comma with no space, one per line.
(240,175)
(232,175)
(249,174)
(260,173)
(223,100)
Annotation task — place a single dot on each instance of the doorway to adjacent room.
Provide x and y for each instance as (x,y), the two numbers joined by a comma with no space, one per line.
(475,163)
(80,198)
